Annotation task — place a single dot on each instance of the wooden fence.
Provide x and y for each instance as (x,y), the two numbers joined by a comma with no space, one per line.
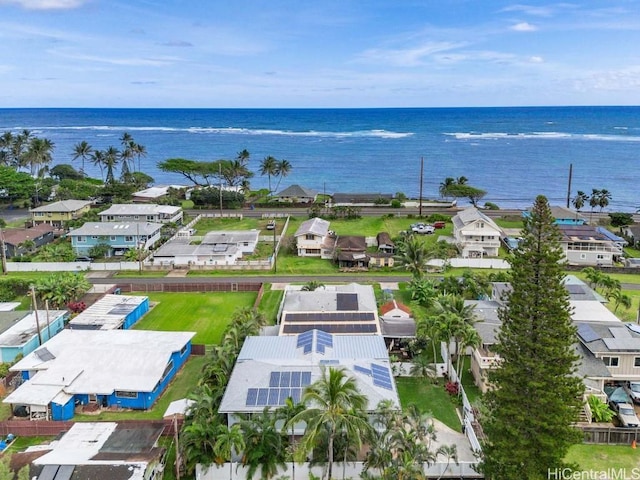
(47,428)
(189,287)
(609,435)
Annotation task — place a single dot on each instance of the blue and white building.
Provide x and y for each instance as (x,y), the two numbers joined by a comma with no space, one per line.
(119,236)
(112,312)
(19,331)
(112,368)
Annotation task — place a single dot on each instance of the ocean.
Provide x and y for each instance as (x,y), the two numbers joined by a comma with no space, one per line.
(512,153)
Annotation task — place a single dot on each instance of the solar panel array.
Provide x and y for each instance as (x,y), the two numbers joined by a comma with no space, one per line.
(122,309)
(305,340)
(381,375)
(330,317)
(587,333)
(44,354)
(347,301)
(282,385)
(323,340)
(331,328)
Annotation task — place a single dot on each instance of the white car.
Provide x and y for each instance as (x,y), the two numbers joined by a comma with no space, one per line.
(627,415)
(423,229)
(634,391)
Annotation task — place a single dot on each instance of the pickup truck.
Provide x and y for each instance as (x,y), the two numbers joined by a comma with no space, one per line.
(423,229)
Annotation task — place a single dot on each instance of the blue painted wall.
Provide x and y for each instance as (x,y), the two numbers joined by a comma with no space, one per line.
(9,353)
(136,315)
(62,412)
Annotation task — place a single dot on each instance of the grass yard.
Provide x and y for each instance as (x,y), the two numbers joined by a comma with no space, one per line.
(207,314)
(600,457)
(270,303)
(205,225)
(428,397)
(180,387)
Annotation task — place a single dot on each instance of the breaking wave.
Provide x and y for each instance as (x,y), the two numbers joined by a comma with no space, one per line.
(542,136)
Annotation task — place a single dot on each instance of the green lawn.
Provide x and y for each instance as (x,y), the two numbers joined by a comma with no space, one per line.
(600,457)
(180,387)
(207,314)
(428,397)
(205,225)
(270,304)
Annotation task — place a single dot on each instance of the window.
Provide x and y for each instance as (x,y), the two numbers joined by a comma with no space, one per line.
(112,238)
(94,237)
(128,238)
(150,218)
(183,350)
(611,361)
(136,217)
(309,236)
(81,239)
(583,256)
(480,224)
(110,218)
(636,362)
(123,394)
(167,371)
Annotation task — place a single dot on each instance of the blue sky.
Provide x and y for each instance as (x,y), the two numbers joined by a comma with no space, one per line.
(329,53)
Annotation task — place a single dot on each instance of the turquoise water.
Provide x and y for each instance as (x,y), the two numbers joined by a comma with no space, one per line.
(513,153)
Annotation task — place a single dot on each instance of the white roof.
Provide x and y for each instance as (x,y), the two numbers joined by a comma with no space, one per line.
(8,306)
(178,407)
(139,209)
(108,313)
(98,362)
(79,445)
(591,311)
(116,228)
(26,328)
(230,236)
(326,299)
(158,191)
(316,226)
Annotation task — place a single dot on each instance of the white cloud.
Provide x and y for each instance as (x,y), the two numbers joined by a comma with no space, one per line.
(530,10)
(408,57)
(523,27)
(45,4)
(121,61)
(536,59)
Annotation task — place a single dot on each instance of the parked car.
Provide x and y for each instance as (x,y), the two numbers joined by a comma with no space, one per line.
(423,229)
(627,415)
(438,225)
(84,259)
(271,225)
(634,391)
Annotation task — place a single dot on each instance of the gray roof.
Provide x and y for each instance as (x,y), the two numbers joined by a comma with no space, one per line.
(316,226)
(471,214)
(326,299)
(297,191)
(562,213)
(260,356)
(230,237)
(139,209)
(181,247)
(590,366)
(107,313)
(606,337)
(63,206)
(577,289)
(393,327)
(116,228)
(488,324)
(19,327)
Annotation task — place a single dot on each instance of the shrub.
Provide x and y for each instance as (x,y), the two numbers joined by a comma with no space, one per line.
(77,307)
(438,217)
(395,203)
(452,388)
(600,411)
(11,288)
(491,206)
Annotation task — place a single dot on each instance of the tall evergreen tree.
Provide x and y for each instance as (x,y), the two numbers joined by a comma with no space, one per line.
(536,394)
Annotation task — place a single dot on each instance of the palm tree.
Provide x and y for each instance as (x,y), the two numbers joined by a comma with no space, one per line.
(579,200)
(38,154)
(312,286)
(456,317)
(110,160)
(139,151)
(444,186)
(97,158)
(594,200)
(462,180)
(415,256)
(619,299)
(422,366)
(468,337)
(265,445)
(228,440)
(82,150)
(127,153)
(283,168)
(451,454)
(334,405)
(286,413)
(269,167)
(605,197)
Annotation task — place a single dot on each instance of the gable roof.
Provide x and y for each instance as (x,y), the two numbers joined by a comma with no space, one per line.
(383,238)
(139,209)
(63,206)
(230,237)
(297,191)
(392,305)
(351,243)
(470,215)
(316,226)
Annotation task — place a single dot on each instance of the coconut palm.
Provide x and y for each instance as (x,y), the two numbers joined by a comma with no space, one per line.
(110,160)
(283,168)
(444,186)
(83,151)
(286,413)
(139,151)
(334,406)
(415,256)
(265,445)
(450,452)
(603,200)
(269,167)
(619,298)
(228,440)
(39,154)
(127,152)
(97,158)
(580,200)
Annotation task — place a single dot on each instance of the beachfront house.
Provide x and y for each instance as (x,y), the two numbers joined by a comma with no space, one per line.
(22,331)
(587,245)
(296,194)
(57,213)
(153,194)
(117,236)
(313,239)
(98,369)
(142,212)
(18,241)
(475,234)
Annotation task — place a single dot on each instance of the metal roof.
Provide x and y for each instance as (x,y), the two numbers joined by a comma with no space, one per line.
(316,226)
(230,236)
(116,228)
(139,209)
(19,327)
(108,313)
(63,206)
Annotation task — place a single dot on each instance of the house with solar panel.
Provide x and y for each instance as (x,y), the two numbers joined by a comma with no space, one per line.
(588,311)
(111,312)
(587,245)
(271,369)
(21,331)
(94,369)
(336,309)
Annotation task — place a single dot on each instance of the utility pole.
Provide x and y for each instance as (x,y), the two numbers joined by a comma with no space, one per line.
(421,182)
(220,175)
(3,252)
(175,433)
(569,186)
(35,312)
(275,252)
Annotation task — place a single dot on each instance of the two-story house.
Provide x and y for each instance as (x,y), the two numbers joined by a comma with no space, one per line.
(57,213)
(476,235)
(119,237)
(313,239)
(588,245)
(142,212)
